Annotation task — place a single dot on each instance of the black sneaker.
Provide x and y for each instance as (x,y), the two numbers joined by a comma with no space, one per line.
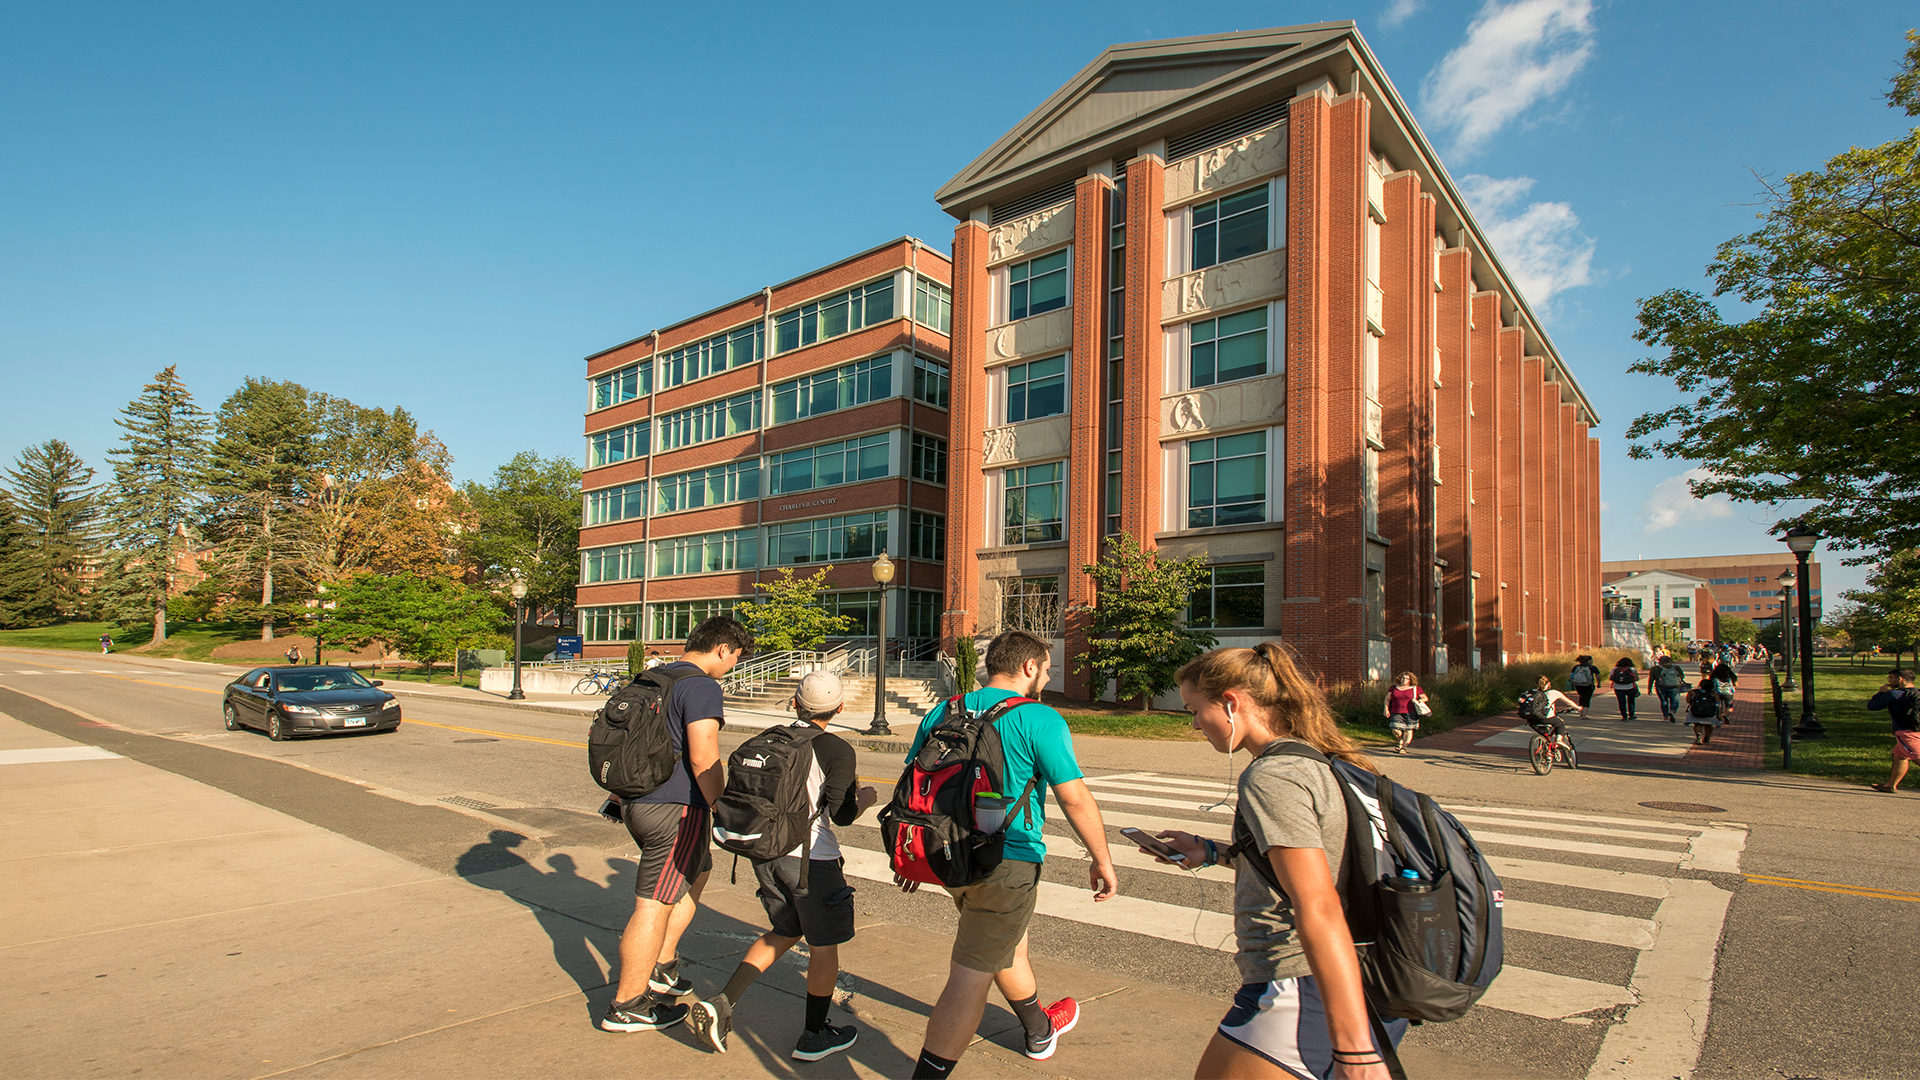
(642,1014)
(814,1045)
(712,1020)
(667,982)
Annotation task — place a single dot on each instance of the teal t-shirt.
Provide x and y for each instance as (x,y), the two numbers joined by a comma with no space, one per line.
(1036,742)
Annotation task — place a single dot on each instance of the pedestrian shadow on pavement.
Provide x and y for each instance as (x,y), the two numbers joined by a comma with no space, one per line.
(562,901)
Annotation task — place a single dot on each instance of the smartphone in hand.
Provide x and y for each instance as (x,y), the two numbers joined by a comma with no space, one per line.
(1158,847)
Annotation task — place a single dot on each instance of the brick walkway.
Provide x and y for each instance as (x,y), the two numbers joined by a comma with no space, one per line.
(1742,743)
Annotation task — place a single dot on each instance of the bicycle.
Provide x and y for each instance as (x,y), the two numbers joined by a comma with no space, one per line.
(1549,748)
(598,682)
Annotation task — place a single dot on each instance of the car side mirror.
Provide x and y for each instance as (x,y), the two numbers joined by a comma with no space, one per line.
(378,682)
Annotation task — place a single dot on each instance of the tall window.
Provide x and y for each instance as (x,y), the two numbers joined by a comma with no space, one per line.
(711,420)
(617,444)
(616,622)
(841,388)
(831,463)
(1036,503)
(635,380)
(1116,347)
(855,536)
(1227,348)
(708,553)
(933,305)
(927,537)
(923,613)
(714,355)
(862,607)
(1036,389)
(1232,596)
(927,459)
(1230,228)
(855,309)
(621,562)
(1227,480)
(1370,490)
(673,622)
(707,487)
(1031,604)
(930,381)
(1037,285)
(616,503)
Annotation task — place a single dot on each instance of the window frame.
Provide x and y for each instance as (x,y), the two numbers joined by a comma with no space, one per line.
(1004,382)
(609,495)
(933,305)
(810,319)
(1180,226)
(1176,462)
(710,421)
(859,444)
(642,373)
(637,431)
(930,452)
(840,527)
(732,475)
(1213,587)
(1004,276)
(926,536)
(695,360)
(1026,527)
(1180,371)
(843,384)
(740,550)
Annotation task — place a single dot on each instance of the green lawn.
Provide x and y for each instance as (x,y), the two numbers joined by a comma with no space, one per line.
(1857,743)
(1132,725)
(83,636)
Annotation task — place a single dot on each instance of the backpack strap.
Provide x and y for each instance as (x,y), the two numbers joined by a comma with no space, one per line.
(994,712)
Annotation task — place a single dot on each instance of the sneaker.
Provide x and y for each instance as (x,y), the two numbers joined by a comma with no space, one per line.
(814,1045)
(712,1020)
(642,1014)
(1062,1014)
(667,982)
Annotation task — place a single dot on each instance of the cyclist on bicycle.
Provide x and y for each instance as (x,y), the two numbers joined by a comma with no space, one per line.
(1542,703)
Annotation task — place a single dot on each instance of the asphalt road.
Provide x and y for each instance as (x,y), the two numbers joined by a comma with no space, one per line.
(1808,981)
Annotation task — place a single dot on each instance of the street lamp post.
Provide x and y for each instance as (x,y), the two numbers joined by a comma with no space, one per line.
(519,621)
(1801,541)
(882,573)
(1786,580)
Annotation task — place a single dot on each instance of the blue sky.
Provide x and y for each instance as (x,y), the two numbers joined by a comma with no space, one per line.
(446,206)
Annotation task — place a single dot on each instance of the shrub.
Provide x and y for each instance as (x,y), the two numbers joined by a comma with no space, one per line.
(966,663)
(1464,695)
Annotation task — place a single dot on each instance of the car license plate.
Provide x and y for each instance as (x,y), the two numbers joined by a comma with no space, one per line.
(358,721)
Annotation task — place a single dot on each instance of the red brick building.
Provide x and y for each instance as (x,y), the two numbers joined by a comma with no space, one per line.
(1744,585)
(1220,294)
(802,426)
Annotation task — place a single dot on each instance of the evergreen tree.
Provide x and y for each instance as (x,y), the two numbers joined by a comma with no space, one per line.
(158,472)
(12,541)
(260,472)
(52,493)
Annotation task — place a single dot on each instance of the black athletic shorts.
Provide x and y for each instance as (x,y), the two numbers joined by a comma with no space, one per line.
(673,848)
(823,914)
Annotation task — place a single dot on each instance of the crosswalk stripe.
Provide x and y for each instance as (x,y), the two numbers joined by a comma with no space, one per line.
(1595,926)
(1590,830)
(1098,785)
(1549,996)
(1146,800)
(1579,877)
(1209,786)
(1580,847)
(1512,811)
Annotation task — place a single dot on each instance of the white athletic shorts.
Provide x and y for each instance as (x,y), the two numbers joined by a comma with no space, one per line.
(1286,1023)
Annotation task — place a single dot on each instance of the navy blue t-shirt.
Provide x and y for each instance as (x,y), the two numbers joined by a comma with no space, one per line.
(695,697)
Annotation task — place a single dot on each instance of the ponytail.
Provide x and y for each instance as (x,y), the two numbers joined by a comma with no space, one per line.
(1295,707)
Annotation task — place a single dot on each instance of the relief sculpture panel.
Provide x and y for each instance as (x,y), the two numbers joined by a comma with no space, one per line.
(1047,333)
(1225,166)
(1256,277)
(1035,232)
(1034,440)
(1252,402)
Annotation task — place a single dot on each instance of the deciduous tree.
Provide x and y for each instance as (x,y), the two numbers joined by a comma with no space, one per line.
(526,523)
(159,471)
(1139,635)
(427,619)
(57,510)
(791,616)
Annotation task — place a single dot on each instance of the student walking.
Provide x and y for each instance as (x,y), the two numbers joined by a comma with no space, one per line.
(1669,680)
(990,945)
(821,909)
(1626,686)
(1902,703)
(1583,679)
(670,825)
(1300,1011)
(1725,682)
(1706,711)
(293,655)
(1404,708)
(106,644)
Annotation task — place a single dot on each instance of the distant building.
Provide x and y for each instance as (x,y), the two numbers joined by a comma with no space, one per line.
(1743,585)
(1681,599)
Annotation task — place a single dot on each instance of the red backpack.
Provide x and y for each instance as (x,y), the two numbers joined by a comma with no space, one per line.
(932,826)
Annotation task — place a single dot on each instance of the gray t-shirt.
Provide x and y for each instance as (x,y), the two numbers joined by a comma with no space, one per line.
(1286,802)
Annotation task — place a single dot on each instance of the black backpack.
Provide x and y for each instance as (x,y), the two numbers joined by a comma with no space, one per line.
(1703,703)
(764,812)
(931,827)
(1425,955)
(629,751)
(1533,706)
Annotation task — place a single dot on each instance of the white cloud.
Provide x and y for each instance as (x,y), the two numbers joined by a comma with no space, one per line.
(1399,11)
(1671,501)
(1540,243)
(1516,55)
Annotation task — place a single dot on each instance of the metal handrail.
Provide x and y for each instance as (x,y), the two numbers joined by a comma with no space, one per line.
(756,674)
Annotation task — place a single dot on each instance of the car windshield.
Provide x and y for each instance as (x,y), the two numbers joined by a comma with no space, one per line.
(323,679)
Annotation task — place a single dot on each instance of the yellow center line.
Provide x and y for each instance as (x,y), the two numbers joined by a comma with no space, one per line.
(1828,886)
(497,734)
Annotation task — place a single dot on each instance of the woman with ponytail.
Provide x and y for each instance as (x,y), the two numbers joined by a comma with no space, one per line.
(1300,1011)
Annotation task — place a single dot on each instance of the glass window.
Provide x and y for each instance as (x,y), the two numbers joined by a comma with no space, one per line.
(841,388)
(1037,285)
(923,613)
(855,536)
(1683,623)
(1230,228)
(617,444)
(862,607)
(673,622)
(711,420)
(714,355)
(831,463)
(1036,389)
(623,385)
(1682,602)
(621,562)
(1036,503)
(707,487)
(1227,480)
(1227,348)
(933,305)
(927,537)
(1031,604)
(1232,596)
(708,553)
(823,320)
(927,459)
(617,622)
(931,380)
(616,503)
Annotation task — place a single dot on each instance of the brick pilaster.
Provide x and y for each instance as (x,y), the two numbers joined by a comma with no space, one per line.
(1406,382)
(1456,543)
(1513,501)
(1086,463)
(1485,513)
(966,489)
(1592,448)
(1532,477)
(1141,511)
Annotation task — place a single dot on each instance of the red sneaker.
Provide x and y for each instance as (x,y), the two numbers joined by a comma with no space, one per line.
(1062,1014)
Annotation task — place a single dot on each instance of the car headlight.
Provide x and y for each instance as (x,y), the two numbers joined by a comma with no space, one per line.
(301,709)
(393,704)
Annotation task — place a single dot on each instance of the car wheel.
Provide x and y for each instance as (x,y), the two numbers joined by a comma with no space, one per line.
(231,716)
(275,727)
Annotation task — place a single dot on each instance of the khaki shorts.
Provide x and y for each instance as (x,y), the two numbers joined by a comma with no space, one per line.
(994,913)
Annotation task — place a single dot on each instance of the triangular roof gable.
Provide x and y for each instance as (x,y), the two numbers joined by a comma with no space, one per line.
(1674,576)
(1130,85)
